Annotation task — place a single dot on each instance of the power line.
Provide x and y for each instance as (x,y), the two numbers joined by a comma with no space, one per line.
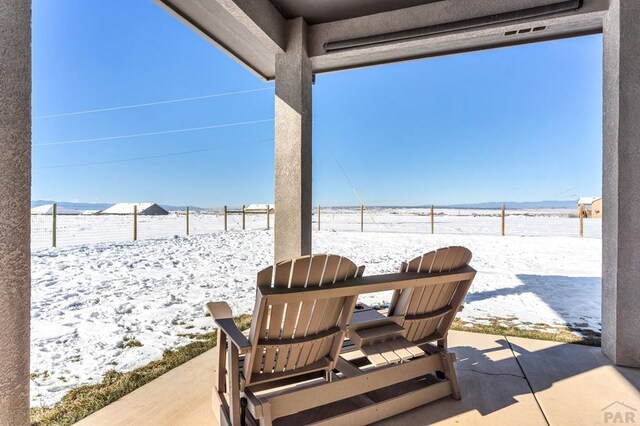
(170,101)
(164,132)
(123,160)
(353,187)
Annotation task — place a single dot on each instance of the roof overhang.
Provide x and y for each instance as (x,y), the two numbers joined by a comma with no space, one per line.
(254,31)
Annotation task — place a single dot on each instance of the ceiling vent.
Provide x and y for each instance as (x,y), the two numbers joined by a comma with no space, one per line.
(524,30)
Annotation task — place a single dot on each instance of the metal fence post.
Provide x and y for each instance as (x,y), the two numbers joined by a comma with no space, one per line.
(135,223)
(503,220)
(225,218)
(54,229)
(243,218)
(268,218)
(361,217)
(187,220)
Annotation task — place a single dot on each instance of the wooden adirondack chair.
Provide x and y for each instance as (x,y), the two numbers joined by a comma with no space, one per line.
(418,315)
(426,313)
(295,359)
(286,340)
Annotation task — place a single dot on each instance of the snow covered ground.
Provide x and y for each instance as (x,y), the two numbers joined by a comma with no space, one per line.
(90,301)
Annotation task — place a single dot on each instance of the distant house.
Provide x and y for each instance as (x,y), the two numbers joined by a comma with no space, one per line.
(147,209)
(47,209)
(259,208)
(591,206)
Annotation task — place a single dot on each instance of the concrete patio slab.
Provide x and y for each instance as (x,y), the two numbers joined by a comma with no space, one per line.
(577,385)
(494,389)
(180,397)
(572,384)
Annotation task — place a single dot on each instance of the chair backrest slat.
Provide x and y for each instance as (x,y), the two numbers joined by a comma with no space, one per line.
(299,273)
(331,269)
(415,264)
(316,269)
(439,260)
(415,304)
(264,278)
(287,330)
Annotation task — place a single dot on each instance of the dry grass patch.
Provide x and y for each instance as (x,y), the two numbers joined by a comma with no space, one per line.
(85,400)
(505,327)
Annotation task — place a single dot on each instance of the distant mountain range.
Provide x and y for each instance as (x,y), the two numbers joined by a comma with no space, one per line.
(489,205)
(101,206)
(518,205)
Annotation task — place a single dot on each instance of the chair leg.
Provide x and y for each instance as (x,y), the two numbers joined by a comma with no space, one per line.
(450,373)
(220,408)
(265,420)
(219,403)
(221,357)
(443,343)
(234,386)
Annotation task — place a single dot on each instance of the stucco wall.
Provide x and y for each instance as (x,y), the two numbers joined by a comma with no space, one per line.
(621,184)
(293,128)
(15,195)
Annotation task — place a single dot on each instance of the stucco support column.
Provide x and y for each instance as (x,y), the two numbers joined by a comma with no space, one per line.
(621,184)
(15,209)
(293,145)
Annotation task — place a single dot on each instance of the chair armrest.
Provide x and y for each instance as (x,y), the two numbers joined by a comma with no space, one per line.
(221,314)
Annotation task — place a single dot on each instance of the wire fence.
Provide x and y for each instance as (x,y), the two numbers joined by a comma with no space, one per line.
(67,230)
(549,222)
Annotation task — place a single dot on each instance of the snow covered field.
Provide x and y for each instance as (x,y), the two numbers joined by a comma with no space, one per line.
(90,301)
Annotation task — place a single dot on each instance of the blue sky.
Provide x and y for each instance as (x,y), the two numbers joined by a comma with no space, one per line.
(512,124)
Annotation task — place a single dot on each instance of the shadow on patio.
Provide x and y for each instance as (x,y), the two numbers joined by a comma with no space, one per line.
(503,380)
